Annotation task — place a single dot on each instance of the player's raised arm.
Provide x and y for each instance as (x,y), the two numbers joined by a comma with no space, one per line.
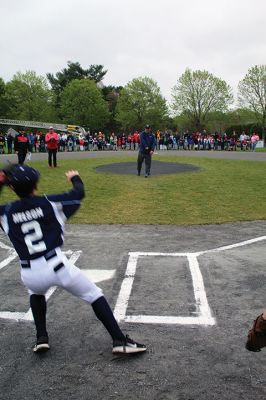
(75,179)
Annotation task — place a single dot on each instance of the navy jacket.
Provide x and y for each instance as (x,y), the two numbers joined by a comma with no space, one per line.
(147,142)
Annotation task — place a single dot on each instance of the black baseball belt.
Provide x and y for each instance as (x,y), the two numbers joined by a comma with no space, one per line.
(48,256)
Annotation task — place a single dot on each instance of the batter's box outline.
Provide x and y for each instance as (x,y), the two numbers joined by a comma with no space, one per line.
(203,314)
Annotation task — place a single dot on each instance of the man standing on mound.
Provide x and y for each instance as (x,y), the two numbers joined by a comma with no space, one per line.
(146,149)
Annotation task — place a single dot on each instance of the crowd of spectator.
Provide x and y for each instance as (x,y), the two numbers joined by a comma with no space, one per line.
(72,141)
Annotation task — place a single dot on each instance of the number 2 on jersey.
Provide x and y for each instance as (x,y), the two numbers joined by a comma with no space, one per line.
(33,240)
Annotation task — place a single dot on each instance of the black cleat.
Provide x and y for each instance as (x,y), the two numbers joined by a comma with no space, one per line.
(41,345)
(128,346)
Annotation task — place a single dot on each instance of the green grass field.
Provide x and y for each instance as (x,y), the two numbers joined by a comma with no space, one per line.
(222,191)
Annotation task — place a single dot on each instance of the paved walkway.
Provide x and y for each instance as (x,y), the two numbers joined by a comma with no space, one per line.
(230,155)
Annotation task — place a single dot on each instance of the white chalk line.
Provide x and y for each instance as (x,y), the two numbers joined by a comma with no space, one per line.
(11,255)
(203,311)
(204,317)
(27,316)
(96,275)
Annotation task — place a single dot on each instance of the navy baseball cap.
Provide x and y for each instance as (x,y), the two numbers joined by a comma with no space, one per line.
(23,179)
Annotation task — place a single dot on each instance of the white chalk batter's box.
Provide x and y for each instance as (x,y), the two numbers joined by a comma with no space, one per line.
(203,315)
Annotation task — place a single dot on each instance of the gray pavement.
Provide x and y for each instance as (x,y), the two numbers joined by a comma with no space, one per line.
(176,266)
(184,361)
(230,155)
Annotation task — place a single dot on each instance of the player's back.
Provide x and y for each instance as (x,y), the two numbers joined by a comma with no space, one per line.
(34,225)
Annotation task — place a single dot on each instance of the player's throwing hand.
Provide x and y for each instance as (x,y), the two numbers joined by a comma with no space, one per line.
(70,174)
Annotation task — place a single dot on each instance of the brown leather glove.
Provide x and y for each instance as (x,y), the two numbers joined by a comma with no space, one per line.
(257,335)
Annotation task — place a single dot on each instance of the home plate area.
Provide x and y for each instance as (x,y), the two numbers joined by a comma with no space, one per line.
(190,294)
(182,300)
(175,295)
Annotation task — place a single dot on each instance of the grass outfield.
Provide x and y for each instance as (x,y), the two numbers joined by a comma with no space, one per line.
(222,191)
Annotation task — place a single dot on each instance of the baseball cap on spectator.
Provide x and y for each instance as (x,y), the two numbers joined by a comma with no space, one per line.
(147,127)
(51,127)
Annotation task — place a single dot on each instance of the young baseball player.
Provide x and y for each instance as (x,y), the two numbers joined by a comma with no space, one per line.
(35,226)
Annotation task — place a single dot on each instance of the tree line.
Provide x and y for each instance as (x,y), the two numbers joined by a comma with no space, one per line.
(75,95)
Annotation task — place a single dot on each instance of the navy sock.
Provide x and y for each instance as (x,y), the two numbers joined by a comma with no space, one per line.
(104,313)
(38,308)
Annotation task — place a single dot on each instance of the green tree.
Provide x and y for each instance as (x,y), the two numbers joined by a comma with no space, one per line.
(140,102)
(241,117)
(252,93)
(74,71)
(28,97)
(183,123)
(111,95)
(82,104)
(96,72)
(2,87)
(217,122)
(199,93)
(3,104)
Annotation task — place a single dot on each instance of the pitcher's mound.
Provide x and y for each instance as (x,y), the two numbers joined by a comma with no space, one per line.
(157,168)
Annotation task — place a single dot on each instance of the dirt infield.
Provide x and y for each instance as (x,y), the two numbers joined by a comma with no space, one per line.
(190,293)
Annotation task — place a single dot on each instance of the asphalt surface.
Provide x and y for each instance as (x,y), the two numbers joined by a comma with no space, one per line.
(184,361)
(230,155)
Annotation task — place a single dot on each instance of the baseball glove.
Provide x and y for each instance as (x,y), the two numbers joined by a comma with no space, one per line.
(257,335)
(5,174)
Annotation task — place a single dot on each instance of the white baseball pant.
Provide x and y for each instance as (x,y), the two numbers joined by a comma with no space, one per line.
(54,269)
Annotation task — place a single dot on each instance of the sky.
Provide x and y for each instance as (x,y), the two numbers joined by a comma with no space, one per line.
(134,38)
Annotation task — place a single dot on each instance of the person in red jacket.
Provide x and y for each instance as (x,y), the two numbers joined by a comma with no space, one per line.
(52,141)
(135,140)
(21,146)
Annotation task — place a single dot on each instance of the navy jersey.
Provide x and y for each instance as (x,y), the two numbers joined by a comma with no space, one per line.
(35,224)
